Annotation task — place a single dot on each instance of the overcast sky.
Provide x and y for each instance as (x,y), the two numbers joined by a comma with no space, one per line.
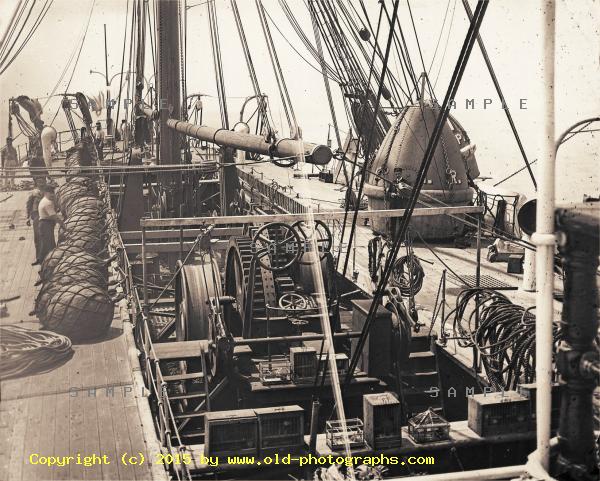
(511,30)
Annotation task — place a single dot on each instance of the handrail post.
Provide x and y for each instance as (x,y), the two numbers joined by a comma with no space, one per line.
(544,239)
(144,270)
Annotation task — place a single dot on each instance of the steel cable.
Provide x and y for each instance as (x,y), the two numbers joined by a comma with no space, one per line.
(25,351)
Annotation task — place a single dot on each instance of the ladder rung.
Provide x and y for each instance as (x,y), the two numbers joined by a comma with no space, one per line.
(183,377)
(190,395)
(189,415)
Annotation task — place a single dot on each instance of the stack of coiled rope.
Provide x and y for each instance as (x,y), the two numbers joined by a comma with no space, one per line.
(504,336)
(25,351)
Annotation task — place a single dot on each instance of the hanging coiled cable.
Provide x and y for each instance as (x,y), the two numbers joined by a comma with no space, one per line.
(25,351)
(504,335)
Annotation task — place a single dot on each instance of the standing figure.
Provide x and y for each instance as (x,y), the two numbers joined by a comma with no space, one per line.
(33,216)
(100,135)
(48,218)
(125,134)
(48,138)
(37,166)
(9,163)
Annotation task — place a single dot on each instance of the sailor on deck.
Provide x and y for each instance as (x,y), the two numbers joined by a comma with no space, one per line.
(100,135)
(33,202)
(48,218)
(125,130)
(9,162)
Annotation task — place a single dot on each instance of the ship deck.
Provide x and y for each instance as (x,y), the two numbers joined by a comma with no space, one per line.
(88,405)
(321,196)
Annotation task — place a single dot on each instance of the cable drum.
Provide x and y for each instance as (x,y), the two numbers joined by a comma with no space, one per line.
(68,192)
(43,299)
(83,260)
(81,230)
(79,204)
(55,256)
(82,311)
(70,275)
(89,219)
(89,243)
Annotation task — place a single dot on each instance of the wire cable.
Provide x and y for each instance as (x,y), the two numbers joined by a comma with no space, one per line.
(25,351)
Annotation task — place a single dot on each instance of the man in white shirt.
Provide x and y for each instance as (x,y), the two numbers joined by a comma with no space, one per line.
(48,218)
(100,135)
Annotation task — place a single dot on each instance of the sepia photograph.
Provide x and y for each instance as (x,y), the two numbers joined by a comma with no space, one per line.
(299,240)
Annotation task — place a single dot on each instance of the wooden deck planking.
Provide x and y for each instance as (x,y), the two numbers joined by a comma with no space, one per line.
(52,413)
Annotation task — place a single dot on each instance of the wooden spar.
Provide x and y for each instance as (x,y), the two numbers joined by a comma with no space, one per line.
(314,153)
(331,215)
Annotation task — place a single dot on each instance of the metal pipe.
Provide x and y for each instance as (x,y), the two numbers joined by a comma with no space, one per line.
(505,472)
(544,239)
(312,337)
(314,153)
(324,216)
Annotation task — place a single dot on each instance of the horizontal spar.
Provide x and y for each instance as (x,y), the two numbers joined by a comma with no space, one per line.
(331,215)
(313,153)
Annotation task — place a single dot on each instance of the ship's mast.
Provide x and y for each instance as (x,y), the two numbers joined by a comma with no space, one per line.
(169,91)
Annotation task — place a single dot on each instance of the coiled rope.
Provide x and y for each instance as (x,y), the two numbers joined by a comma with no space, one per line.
(25,351)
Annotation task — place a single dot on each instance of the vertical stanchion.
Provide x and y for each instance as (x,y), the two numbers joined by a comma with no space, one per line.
(544,239)
(477,286)
(144,270)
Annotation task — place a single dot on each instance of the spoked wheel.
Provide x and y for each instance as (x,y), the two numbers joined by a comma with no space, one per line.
(320,233)
(293,302)
(277,246)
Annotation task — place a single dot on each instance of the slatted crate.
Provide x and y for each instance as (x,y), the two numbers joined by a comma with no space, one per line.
(498,413)
(280,429)
(341,361)
(230,433)
(303,361)
(382,423)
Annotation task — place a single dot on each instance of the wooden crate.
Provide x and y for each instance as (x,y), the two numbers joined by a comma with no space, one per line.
(382,422)
(280,429)
(231,433)
(499,413)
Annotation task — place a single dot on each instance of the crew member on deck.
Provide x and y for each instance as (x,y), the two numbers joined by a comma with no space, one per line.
(125,134)
(100,140)
(9,162)
(33,201)
(47,221)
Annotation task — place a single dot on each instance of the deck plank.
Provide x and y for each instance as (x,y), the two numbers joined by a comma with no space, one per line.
(53,412)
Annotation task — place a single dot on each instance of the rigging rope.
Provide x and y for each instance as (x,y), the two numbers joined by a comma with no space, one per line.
(216,52)
(440,122)
(78,55)
(370,138)
(283,91)
(260,98)
(36,24)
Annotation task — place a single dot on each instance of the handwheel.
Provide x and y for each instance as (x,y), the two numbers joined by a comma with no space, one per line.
(323,236)
(293,302)
(290,243)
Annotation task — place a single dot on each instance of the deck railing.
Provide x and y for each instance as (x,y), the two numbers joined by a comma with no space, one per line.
(164,417)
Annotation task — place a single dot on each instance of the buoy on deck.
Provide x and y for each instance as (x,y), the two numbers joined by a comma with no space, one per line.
(396,165)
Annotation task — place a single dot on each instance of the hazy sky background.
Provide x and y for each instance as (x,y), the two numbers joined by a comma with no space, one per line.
(511,30)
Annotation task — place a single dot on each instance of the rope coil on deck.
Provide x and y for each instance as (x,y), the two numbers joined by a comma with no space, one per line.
(25,351)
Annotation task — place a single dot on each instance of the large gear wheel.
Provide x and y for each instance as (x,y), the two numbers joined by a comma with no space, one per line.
(239,285)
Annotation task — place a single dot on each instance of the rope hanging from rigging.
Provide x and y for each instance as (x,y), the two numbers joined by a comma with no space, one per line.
(428,157)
